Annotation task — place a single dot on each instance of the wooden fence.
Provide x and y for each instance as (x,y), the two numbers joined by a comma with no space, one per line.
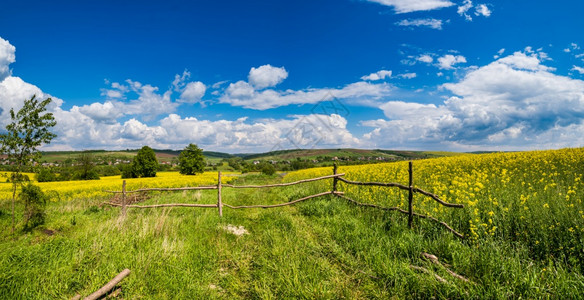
(336,178)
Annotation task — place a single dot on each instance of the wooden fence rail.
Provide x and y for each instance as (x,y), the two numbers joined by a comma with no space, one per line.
(336,178)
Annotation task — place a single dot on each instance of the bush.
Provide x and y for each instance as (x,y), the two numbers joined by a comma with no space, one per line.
(35,202)
(108,171)
(46,175)
(144,164)
(191,160)
(268,169)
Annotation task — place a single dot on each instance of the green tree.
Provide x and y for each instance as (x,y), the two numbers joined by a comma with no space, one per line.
(28,130)
(86,167)
(144,164)
(191,160)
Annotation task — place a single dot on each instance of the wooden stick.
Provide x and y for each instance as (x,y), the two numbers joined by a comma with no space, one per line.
(124,198)
(210,187)
(283,184)
(404,212)
(428,272)
(411,195)
(219,204)
(283,204)
(336,179)
(164,205)
(386,184)
(435,261)
(403,187)
(110,285)
(435,197)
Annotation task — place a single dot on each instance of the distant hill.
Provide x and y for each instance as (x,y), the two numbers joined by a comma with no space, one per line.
(167,155)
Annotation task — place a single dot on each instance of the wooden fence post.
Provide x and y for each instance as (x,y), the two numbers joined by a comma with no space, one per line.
(410,196)
(124,198)
(219,203)
(335,179)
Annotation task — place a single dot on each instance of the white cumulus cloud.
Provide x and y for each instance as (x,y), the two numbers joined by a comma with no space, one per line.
(7,56)
(379,75)
(429,22)
(193,92)
(266,76)
(406,6)
(448,61)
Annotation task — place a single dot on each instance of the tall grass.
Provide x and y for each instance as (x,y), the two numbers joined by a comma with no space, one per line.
(322,248)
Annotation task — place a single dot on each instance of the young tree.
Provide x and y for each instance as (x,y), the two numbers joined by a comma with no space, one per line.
(191,160)
(28,130)
(86,167)
(144,164)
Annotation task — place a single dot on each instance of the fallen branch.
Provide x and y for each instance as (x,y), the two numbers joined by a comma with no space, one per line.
(164,205)
(404,212)
(281,184)
(283,204)
(435,261)
(209,187)
(110,285)
(435,197)
(440,279)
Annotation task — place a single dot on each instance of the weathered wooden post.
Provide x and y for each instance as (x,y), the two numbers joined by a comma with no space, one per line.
(411,196)
(219,203)
(335,179)
(124,198)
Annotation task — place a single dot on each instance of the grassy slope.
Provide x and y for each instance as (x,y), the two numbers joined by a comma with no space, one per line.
(323,248)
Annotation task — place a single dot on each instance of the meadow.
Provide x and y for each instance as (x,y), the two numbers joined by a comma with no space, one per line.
(523,223)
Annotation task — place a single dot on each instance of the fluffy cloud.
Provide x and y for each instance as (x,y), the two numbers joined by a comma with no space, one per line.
(448,61)
(407,75)
(429,22)
(379,75)
(513,102)
(425,58)
(266,76)
(243,94)
(480,10)
(578,69)
(7,57)
(406,6)
(193,92)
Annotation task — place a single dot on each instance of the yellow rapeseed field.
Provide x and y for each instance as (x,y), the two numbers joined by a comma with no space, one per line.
(68,190)
(503,193)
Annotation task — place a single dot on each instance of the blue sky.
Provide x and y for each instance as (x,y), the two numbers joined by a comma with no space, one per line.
(248,76)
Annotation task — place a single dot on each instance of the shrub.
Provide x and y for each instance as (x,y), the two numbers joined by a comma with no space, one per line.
(191,160)
(35,202)
(46,175)
(268,169)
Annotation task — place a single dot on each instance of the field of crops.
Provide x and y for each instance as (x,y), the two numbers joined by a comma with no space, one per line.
(523,223)
(534,198)
(90,189)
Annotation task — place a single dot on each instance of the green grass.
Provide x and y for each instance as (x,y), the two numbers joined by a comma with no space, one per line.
(323,248)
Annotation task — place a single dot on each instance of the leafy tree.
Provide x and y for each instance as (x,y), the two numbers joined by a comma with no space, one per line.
(191,160)
(144,164)
(86,167)
(46,175)
(28,130)
(267,168)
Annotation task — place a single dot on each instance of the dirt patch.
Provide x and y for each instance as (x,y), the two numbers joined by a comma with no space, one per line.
(49,232)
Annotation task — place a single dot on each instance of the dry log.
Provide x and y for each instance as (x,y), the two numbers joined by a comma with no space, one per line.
(435,261)
(283,204)
(110,285)
(164,205)
(440,279)
(282,184)
(210,187)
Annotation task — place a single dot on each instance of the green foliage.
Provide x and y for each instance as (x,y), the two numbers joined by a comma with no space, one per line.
(144,164)
(108,171)
(85,167)
(28,130)
(267,168)
(46,175)
(191,160)
(35,202)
